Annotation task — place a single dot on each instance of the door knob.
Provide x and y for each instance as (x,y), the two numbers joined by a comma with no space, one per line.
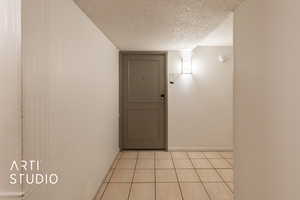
(162,98)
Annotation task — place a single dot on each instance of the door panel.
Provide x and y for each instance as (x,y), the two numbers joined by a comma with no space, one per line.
(144,82)
(143,116)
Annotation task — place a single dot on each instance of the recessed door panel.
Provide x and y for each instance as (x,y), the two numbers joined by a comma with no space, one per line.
(144,79)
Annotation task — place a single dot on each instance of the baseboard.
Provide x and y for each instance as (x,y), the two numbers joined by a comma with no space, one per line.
(11,194)
(201,148)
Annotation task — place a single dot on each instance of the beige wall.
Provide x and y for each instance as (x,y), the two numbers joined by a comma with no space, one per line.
(70,99)
(200,105)
(10,87)
(267,97)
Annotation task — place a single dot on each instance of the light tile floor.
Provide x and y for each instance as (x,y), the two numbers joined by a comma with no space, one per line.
(158,175)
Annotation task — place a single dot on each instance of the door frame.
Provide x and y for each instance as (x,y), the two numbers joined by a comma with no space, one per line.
(121,107)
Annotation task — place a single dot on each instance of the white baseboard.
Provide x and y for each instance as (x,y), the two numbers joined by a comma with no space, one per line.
(201,148)
(11,194)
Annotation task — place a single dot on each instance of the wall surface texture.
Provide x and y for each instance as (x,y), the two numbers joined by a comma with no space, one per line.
(10,95)
(267,97)
(70,99)
(200,104)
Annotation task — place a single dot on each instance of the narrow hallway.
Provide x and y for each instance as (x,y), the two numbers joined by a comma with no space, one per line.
(149,175)
(202,94)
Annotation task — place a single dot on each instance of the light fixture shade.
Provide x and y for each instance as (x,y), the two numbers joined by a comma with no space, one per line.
(186,61)
(222,59)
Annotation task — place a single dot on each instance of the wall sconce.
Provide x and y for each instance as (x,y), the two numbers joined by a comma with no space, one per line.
(185,67)
(186,59)
(222,59)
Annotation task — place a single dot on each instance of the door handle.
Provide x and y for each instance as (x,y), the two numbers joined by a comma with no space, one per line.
(162,98)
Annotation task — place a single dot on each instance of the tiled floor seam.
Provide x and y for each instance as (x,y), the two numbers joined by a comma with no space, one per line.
(177,176)
(130,188)
(226,183)
(216,169)
(226,159)
(208,195)
(113,168)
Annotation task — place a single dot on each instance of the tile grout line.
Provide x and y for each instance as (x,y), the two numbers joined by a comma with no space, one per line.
(177,176)
(226,183)
(117,159)
(131,183)
(195,169)
(226,159)
(216,169)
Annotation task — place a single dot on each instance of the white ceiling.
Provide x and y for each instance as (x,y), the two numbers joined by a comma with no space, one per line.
(222,35)
(157,24)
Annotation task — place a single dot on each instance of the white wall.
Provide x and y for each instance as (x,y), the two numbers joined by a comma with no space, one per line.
(10,87)
(267,97)
(70,98)
(200,105)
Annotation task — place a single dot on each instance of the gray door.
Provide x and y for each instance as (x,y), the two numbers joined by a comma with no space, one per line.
(143,100)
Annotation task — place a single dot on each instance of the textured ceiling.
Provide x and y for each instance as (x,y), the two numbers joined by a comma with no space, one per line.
(157,24)
(222,35)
